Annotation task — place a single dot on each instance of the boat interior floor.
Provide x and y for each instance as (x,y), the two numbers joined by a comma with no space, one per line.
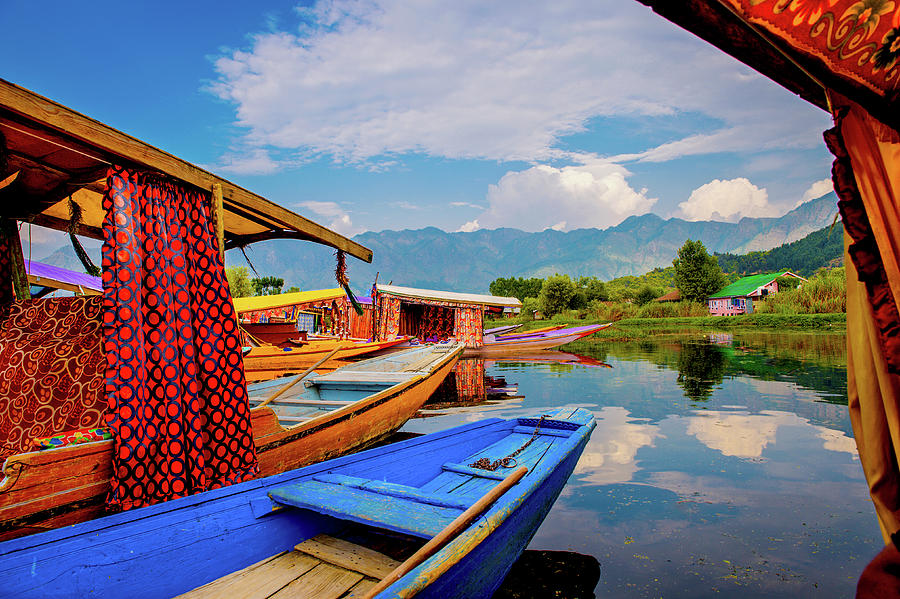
(323,567)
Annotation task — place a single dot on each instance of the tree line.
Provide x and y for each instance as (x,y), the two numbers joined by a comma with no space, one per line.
(694,273)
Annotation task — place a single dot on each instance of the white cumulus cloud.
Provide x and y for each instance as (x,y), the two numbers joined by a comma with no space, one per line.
(505,80)
(728,200)
(816,190)
(541,197)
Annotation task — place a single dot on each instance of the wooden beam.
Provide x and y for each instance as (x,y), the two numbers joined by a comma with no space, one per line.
(78,126)
(237,241)
(61,224)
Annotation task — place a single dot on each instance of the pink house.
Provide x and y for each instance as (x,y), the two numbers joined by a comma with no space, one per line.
(738,297)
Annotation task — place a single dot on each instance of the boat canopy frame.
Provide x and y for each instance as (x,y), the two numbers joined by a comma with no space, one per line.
(50,153)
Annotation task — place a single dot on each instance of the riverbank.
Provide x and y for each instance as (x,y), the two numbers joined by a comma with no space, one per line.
(629,329)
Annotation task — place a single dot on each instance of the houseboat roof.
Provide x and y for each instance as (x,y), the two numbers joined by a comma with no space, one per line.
(747,285)
(449,296)
(53,153)
(284,300)
(55,277)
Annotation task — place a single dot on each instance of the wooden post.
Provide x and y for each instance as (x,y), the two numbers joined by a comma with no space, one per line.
(218,217)
(10,232)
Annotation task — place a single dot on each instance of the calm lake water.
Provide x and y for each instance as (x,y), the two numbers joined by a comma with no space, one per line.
(721,465)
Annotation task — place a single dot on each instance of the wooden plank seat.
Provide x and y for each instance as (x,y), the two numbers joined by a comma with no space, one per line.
(385,505)
(324,567)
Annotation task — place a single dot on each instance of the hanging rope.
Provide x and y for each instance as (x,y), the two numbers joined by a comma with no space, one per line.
(340,274)
(74,222)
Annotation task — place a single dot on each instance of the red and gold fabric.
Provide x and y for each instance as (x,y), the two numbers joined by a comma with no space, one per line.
(469,376)
(51,369)
(388,323)
(858,39)
(866,176)
(469,327)
(175,386)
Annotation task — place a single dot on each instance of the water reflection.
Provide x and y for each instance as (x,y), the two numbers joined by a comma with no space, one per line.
(701,366)
(720,465)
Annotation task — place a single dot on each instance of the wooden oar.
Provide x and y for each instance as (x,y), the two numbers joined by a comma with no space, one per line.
(299,377)
(449,533)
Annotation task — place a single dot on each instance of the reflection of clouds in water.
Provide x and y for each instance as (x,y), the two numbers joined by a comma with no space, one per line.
(610,454)
(781,389)
(837,441)
(744,435)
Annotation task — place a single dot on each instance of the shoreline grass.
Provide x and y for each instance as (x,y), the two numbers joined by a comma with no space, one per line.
(636,328)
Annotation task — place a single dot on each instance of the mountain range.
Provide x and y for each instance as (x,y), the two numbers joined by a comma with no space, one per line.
(467,262)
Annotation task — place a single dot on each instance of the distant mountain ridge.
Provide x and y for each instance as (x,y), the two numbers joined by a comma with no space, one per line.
(434,259)
(468,262)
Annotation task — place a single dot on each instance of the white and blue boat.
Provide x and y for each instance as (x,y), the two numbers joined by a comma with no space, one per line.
(347,527)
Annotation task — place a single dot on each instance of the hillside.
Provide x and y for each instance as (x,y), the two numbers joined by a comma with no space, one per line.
(432,258)
(804,257)
(468,262)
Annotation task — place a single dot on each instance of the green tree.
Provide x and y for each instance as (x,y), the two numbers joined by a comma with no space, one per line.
(556,293)
(594,288)
(529,306)
(646,294)
(267,285)
(516,287)
(697,274)
(239,281)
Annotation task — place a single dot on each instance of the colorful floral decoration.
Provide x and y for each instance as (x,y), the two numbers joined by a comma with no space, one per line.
(52,372)
(856,39)
(88,435)
(175,383)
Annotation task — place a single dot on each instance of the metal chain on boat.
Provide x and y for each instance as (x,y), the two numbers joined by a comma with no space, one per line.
(510,460)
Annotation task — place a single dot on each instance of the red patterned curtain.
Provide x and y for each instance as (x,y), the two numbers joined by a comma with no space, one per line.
(175,386)
(468,328)
(388,325)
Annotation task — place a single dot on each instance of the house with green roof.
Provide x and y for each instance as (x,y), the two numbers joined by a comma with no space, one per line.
(738,297)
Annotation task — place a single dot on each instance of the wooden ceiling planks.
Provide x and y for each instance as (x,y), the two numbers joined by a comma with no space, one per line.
(58,151)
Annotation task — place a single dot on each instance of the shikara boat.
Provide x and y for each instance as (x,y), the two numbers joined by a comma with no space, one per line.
(502,329)
(540,340)
(315,419)
(419,517)
(269,361)
(517,334)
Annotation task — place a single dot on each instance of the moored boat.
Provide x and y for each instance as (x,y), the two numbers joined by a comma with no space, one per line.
(541,340)
(268,361)
(331,524)
(324,417)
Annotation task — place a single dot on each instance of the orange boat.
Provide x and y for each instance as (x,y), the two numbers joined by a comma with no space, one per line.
(293,425)
(269,361)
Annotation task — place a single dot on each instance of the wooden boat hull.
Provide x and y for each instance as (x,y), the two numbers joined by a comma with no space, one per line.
(47,489)
(544,340)
(168,549)
(351,428)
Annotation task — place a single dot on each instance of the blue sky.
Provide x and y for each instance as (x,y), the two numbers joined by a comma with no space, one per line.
(460,115)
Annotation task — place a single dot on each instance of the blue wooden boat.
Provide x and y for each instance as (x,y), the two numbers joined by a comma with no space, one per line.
(333,529)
